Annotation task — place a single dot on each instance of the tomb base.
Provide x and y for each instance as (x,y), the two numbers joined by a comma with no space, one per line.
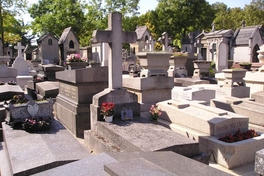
(122,99)
(22,80)
(76,117)
(231,155)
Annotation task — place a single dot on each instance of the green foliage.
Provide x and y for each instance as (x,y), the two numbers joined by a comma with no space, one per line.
(179,17)
(126,7)
(56,15)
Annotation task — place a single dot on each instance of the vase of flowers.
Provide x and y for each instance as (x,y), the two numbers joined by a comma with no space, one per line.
(36,124)
(107,110)
(155,112)
(75,61)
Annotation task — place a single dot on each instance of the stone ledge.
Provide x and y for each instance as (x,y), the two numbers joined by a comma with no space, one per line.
(30,153)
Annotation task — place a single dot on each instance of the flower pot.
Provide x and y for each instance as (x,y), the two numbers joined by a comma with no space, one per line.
(245,66)
(76,65)
(108,119)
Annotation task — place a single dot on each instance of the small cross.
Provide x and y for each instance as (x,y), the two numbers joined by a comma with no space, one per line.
(19,48)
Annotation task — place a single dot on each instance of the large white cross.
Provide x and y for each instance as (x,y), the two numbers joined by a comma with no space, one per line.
(19,48)
(115,37)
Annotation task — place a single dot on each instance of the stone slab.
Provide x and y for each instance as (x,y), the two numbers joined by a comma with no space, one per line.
(259,162)
(198,93)
(258,96)
(138,166)
(143,135)
(253,110)
(49,89)
(31,153)
(231,155)
(96,74)
(8,91)
(209,120)
(93,165)
(189,81)
(171,162)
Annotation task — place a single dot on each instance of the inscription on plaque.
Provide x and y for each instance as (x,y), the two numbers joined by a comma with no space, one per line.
(68,91)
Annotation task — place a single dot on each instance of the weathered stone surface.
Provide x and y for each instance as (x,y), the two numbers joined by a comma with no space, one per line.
(31,153)
(205,119)
(258,96)
(259,162)
(8,91)
(143,135)
(48,89)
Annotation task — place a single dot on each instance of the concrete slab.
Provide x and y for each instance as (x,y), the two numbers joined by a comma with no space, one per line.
(143,135)
(93,165)
(30,153)
(171,162)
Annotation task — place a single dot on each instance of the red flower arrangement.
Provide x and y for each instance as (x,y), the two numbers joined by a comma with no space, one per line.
(155,112)
(239,136)
(107,109)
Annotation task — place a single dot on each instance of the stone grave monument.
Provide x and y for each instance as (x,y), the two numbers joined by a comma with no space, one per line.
(76,89)
(115,92)
(153,85)
(22,67)
(7,73)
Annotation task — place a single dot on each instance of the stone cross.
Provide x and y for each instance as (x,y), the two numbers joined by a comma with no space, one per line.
(19,48)
(115,37)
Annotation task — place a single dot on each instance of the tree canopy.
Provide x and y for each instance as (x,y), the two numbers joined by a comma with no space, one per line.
(176,17)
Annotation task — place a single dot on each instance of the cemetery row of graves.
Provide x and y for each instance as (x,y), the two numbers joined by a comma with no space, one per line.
(160,122)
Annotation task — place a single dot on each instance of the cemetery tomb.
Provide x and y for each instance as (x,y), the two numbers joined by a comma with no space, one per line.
(76,90)
(208,124)
(6,73)
(115,92)
(22,67)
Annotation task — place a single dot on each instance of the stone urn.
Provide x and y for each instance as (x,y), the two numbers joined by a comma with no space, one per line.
(261,57)
(76,65)
(177,66)
(234,76)
(154,63)
(202,64)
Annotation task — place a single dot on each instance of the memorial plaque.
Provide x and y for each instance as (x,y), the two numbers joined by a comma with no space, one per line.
(127,115)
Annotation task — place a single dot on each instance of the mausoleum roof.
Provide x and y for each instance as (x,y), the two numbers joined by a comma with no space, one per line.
(41,38)
(242,36)
(64,35)
(141,30)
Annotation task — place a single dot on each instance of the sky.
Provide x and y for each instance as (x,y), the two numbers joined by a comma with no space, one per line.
(145,5)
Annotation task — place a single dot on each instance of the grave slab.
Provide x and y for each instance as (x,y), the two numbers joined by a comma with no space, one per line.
(8,91)
(142,135)
(169,161)
(48,89)
(92,165)
(205,119)
(198,93)
(30,153)
(251,109)
(189,81)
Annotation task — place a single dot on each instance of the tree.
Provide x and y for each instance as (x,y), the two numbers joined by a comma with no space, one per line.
(227,18)
(56,15)
(8,9)
(126,7)
(254,13)
(178,17)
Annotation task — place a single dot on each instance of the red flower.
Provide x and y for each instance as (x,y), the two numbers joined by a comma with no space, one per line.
(107,108)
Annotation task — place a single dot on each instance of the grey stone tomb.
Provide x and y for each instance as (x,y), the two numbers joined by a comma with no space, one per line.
(115,92)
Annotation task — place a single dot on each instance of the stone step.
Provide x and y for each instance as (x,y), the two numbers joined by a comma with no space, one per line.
(134,163)
(92,165)
(157,163)
(143,135)
(30,153)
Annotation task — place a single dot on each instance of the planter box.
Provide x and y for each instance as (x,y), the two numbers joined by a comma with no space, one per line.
(231,155)
(76,65)
(19,112)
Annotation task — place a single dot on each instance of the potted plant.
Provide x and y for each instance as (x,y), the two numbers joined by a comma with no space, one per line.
(75,61)
(11,83)
(245,65)
(107,110)
(33,124)
(155,112)
(94,63)
(2,83)
(239,136)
